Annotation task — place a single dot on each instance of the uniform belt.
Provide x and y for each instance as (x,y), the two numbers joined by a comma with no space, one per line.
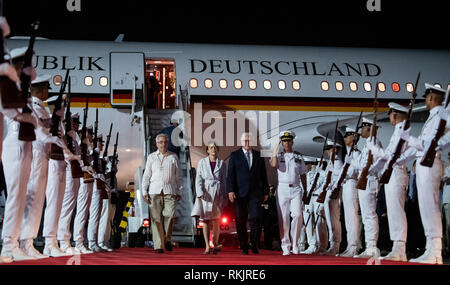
(290,185)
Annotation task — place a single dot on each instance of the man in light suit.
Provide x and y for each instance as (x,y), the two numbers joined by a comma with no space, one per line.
(247,188)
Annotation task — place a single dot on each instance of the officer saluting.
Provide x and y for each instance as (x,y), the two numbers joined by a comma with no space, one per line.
(291,171)
(428,178)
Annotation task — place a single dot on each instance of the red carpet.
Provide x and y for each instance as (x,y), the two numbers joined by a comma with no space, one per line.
(194,256)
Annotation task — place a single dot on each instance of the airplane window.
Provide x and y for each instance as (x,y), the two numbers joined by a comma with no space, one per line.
(267,84)
(281,84)
(57,79)
(252,84)
(409,87)
(208,83)
(103,81)
(223,83)
(88,81)
(381,87)
(367,86)
(339,86)
(237,84)
(353,86)
(325,86)
(193,83)
(395,87)
(296,85)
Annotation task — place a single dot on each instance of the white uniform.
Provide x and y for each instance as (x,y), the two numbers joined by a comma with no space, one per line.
(428,182)
(395,192)
(17,166)
(38,180)
(289,200)
(316,228)
(333,209)
(69,203)
(106,217)
(81,216)
(351,206)
(368,203)
(95,210)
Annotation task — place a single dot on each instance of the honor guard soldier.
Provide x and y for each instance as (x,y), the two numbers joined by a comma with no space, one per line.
(291,171)
(84,200)
(350,198)
(70,195)
(17,161)
(37,184)
(428,178)
(96,204)
(332,207)
(108,210)
(368,197)
(56,186)
(315,213)
(395,190)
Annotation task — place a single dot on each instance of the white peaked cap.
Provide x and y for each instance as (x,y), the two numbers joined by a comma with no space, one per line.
(398,107)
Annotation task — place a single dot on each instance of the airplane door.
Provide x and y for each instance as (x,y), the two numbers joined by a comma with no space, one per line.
(127,77)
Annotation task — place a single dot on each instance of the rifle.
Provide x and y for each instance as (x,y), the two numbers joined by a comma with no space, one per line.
(87,178)
(9,89)
(335,192)
(74,164)
(430,154)
(100,184)
(307,197)
(322,195)
(114,163)
(105,153)
(362,182)
(26,130)
(398,150)
(56,152)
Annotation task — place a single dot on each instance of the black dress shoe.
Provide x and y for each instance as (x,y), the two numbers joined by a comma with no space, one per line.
(255,250)
(245,251)
(159,250)
(168,246)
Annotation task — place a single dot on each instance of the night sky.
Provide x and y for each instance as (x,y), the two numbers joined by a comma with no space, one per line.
(410,24)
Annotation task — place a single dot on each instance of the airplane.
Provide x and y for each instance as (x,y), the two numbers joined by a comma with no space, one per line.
(211,87)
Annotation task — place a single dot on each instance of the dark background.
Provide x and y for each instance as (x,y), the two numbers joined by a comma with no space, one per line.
(400,24)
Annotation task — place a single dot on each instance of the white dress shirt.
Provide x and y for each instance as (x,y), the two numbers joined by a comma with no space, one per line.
(163,174)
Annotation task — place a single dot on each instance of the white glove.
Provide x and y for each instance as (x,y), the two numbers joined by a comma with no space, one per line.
(443,142)
(6,69)
(348,159)
(377,166)
(26,118)
(88,169)
(55,140)
(4,26)
(30,71)
(370,144)
(404,134)
(73,135)
(74,157)
(444,113)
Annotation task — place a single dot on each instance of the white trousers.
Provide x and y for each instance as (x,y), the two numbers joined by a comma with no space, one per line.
(428,181)
(395,192)
(83,203)
(95,210)
(106,217)
(36,187)
(308,219)
(16,166)
(316,229)
(332,209)
(368,203)
(68,206)
(351,206)
(289,205)
(54,196)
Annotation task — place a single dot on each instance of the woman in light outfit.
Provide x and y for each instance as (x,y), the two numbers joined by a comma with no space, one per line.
(211,194)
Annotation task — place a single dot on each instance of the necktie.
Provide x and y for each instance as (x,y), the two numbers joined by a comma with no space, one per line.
(248,159)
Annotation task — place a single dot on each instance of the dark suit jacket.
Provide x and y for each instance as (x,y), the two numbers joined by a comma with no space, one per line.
(247,183)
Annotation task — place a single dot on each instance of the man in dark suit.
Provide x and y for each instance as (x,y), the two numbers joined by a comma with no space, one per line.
(247,188)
